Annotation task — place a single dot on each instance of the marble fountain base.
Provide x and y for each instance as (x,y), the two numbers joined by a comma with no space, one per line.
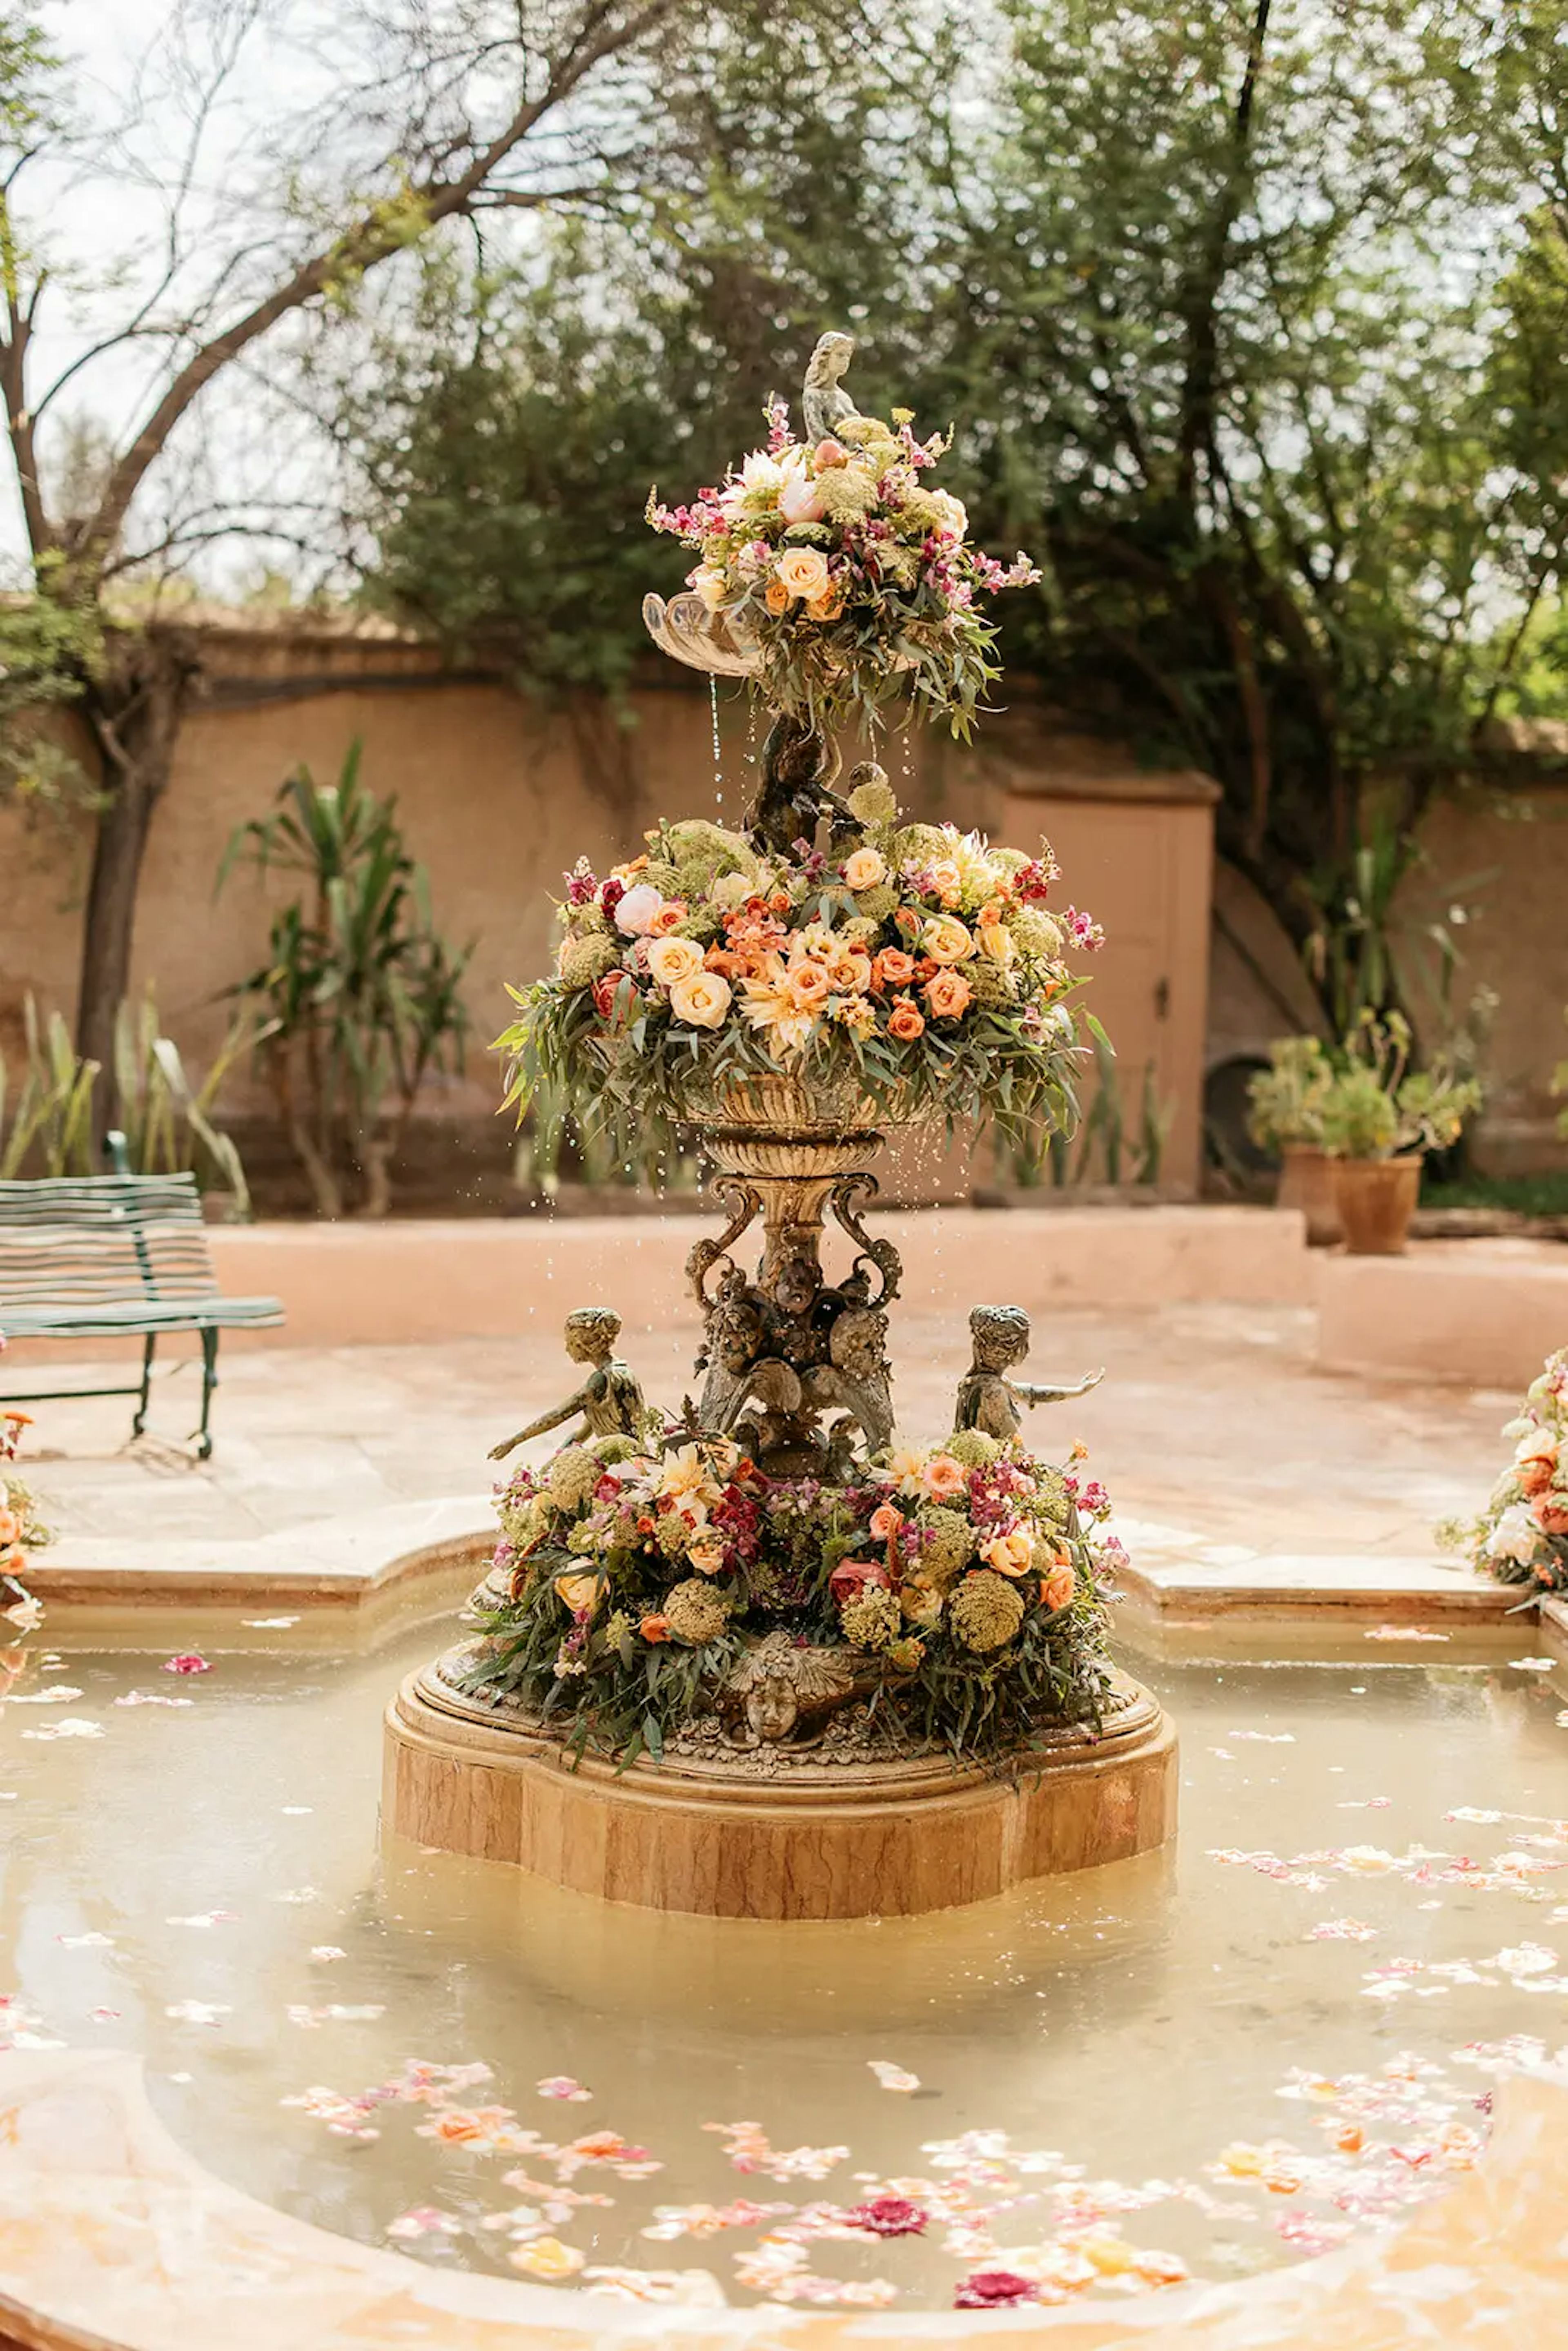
(807,1839)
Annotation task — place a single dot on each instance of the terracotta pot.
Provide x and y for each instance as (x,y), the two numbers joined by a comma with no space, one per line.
(1307,1182)
(1377,1199)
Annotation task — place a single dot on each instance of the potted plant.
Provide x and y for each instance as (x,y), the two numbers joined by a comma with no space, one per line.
(1286,1118)
(1379,1119)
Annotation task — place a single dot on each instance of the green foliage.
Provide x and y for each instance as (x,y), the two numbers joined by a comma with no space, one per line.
(359,997)
(1375,1104)
(49,647)
(1287,1098)
(167,1121)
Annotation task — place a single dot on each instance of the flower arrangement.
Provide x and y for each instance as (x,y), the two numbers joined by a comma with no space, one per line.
(21,1530)
(850,579)
(967,1576)
(915,962)
(1522,1536)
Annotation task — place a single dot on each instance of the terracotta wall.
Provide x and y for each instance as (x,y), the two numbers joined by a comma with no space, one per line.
(499,795)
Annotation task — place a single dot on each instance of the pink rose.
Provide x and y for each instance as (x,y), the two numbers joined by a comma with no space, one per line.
(186,1662)
(635,913)
(799,498)
(852,1576)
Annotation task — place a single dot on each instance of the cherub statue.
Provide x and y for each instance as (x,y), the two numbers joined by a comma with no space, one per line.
(779,1694)
(798,766)
(987,1399)
(610,1399)
(855,1376)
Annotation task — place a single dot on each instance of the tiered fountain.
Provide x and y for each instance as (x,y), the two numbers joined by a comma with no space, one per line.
(761,1658)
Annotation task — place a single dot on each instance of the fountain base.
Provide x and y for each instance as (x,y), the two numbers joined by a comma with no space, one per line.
(795,1835)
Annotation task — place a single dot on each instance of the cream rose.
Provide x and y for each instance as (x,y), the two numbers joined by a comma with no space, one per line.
(802,572)
(1010,1552)
(710,585)
(702,1000)
(671,960)
(946,939)
(864,869)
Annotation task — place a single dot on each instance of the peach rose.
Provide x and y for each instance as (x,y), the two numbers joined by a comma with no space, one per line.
(885,1521)
(894,969)
(865,868)
(776,596)
(945,940)
(1010,1552)
(802,572)
(905,1020)
(827,454)
(706,1555)
(580,1593)
(1057,1588)
(997,942)
(654,1629)
(671,960)
(1550,1513)
(1535,1460)
(921,1601)
(670,917)
(946,881)
(807,985)
(948,995)
(10,1527)
(850,972)
(702,1000)
(826,607)
(943,1477)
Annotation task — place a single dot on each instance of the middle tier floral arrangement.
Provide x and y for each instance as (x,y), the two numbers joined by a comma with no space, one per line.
(964,1580)
(913,964)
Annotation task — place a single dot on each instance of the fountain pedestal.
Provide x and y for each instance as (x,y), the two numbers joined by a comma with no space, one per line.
(798,1838)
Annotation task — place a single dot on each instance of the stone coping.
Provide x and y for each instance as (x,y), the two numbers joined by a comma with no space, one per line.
(113,2239)
(1482,1313)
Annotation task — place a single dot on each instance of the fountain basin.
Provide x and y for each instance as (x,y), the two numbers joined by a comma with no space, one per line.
(774,1836)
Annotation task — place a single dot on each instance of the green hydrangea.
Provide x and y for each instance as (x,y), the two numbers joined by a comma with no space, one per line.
(949,1545)
(847,492)
(665,876)
(878,905)
(986,1612)
(671,1534)
(875,1620)
(972,1447)
(698,837)
(1051,1498)
(1037,933)
(572,1476)
(612,1448)
(695,1613)
(873,803)
(918,845)
(584,960)
(523,1521)
(582,1538)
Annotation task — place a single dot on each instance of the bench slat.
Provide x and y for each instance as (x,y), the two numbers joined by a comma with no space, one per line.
(145,1314)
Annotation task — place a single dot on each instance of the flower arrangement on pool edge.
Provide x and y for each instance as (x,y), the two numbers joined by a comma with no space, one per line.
(21,1530)
(915,962)
(968,1575)
(851,578)
(1522,1536)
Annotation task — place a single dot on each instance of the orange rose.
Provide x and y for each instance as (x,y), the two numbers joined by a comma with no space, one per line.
(654,1629)
(1057,1588)
(777,597)
(1010,1552)
(580,1594)
(10,1527)
(904,1020)
(807,985)
(1550,1513)
(670,917)
(826,608)
(949,994)
(885,1521)
(894,969)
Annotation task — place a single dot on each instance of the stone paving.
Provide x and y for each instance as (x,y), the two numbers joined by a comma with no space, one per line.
(1228,1453)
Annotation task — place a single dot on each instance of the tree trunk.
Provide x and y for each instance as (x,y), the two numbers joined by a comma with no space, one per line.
(133,707)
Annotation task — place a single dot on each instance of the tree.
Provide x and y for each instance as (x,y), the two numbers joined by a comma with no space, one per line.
(401,121)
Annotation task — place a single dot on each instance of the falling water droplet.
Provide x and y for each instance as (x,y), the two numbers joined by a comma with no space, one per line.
(717,752)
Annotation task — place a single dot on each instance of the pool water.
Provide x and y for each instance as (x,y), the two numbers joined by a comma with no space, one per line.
(1285,2028)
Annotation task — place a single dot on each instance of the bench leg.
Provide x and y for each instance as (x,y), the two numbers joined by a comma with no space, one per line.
(209,1381)
(148,1346)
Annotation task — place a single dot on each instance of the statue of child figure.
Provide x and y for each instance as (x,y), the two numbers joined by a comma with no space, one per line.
(610,1399)
(987,1399)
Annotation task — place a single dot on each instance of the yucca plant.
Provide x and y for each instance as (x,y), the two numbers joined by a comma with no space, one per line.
(359,997)
(48,1128)
(165,1120)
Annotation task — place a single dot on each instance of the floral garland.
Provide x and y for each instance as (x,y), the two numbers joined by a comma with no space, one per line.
(1522,1536)
(851,578)
(21,1530)
(919,965)
(971,1571)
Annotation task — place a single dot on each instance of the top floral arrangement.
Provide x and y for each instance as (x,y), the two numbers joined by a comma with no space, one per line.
(841,579)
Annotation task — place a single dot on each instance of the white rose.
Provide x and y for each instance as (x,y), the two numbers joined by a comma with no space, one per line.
(635,913)
(1515,1536)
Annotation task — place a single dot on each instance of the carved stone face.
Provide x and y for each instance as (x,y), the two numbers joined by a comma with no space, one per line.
(796,1286)
(828,360)
(1002,1339)
(772,1711)
(592,1341)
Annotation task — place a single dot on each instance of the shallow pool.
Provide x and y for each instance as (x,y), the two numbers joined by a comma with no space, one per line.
(1212,2060)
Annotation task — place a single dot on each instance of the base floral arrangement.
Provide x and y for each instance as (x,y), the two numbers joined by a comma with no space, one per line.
(21,1530)
(966,1579)
(1522,1536)
(914,964)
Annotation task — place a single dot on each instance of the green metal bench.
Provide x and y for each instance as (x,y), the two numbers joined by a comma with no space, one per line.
(92,1256)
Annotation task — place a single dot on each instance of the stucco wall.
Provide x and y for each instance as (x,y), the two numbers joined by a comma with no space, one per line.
(498,795)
